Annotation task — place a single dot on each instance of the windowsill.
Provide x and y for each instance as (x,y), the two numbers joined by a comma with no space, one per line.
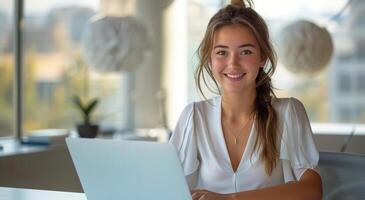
(11,147)
(338,129)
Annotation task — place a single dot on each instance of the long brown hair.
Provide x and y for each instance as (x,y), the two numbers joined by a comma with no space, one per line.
(241,13)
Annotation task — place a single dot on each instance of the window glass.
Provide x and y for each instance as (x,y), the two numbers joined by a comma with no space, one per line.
(6,67)
(92,49)
(55,69)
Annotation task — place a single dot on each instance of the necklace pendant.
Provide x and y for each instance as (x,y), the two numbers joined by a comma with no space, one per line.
(235,140)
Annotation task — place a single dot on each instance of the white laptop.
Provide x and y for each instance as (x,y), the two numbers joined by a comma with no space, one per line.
(128,170)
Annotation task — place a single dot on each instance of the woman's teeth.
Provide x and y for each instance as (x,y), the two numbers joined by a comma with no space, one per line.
(235,76)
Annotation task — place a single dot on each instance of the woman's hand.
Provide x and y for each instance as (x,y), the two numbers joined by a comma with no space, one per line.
(208,195)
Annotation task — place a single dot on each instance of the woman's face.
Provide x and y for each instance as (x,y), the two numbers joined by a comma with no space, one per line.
(235,58)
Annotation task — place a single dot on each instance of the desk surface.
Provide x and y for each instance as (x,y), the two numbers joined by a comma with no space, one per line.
(30,194)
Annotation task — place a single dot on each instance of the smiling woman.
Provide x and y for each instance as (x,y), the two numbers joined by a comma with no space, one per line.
(244,143)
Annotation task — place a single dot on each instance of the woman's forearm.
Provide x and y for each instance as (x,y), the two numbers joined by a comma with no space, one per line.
(305,189)
(290,191)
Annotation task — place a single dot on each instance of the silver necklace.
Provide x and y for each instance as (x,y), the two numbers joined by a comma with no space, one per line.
(236,137)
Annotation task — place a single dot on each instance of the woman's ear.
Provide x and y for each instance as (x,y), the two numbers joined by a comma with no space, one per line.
(262,63)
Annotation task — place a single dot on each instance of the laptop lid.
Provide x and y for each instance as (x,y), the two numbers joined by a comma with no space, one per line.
(125,170)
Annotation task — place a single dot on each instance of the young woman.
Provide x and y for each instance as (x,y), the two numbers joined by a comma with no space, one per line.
(244,143)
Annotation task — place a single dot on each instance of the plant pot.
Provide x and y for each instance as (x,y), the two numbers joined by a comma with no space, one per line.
(87,130)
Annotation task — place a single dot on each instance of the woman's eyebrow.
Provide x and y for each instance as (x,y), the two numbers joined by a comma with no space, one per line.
(220,46)
(246,45)
(241,46)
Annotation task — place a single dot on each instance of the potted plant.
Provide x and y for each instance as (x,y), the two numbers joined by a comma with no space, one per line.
(86,129)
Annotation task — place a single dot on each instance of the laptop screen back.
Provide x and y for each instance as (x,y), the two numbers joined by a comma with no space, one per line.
(126,170)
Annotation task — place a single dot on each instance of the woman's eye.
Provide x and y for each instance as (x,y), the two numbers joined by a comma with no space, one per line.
(221,53)
(246,52)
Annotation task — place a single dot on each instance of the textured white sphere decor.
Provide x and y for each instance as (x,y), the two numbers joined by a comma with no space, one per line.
(115,43)
(304,47)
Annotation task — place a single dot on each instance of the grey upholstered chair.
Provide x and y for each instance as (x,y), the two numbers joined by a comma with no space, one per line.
(343,176)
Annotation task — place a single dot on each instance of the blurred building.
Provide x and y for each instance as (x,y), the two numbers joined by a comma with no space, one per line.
(347,72)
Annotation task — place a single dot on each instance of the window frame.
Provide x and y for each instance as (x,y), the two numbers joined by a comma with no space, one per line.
(18,72)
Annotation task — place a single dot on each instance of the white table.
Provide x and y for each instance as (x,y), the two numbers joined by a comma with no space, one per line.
(30,194)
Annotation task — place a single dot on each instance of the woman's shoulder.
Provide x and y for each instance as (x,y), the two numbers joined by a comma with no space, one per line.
(282,103)
(208,104)
(203,105)
(284,106)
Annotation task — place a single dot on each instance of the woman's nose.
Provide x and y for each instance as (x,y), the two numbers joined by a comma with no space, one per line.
(234,61)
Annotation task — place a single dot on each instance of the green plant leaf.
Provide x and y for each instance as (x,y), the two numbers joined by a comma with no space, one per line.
(89,108)
(85,109)
(78,102)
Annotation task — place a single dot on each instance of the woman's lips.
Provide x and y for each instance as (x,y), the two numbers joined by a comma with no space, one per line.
(235,77)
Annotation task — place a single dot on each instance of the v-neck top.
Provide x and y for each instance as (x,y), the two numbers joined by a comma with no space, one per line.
(199,141)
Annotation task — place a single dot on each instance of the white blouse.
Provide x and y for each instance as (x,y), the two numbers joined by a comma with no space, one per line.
(202,150)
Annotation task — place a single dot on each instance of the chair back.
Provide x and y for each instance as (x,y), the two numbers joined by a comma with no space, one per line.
(343,176)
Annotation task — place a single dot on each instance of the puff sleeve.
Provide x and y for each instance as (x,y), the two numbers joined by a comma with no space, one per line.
(184,139)
(298,151)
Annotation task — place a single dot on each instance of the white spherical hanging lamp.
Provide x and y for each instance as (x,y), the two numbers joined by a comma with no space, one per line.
(115,43)
(304,47)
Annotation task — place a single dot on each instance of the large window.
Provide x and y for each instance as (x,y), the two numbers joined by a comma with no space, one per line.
(6,67)
(55,68)
(56,65)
